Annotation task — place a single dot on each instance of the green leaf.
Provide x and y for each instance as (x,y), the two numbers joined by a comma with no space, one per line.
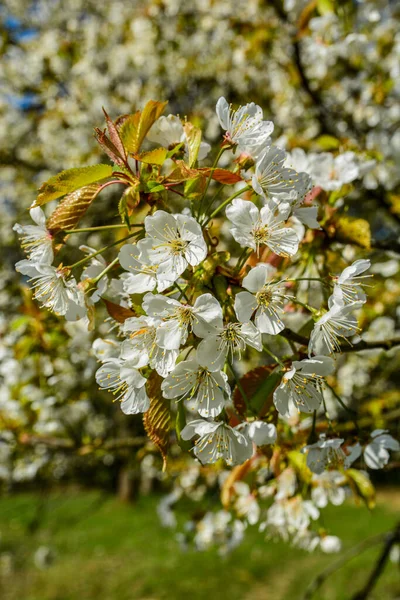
(72,208)
(325,7)
(134,128)
(328,142)
(154,186)
(350,230)
(194,188)
(361,486)
(71,180)
(193,136)
(154,157)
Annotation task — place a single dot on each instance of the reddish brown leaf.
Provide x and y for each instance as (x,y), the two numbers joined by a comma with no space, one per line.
(223,175)
(255,385)
(72,208)
(114,136)
(157,420)
(117,312)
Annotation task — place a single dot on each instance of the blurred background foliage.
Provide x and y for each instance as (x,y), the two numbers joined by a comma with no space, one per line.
(326,73)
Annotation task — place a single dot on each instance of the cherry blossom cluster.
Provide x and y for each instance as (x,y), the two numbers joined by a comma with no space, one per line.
(194,336)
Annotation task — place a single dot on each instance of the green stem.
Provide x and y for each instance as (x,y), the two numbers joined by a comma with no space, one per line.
(242,259)
(100,228)
(220,152)
(213,199)
(239,386)
(182,292)
(106,270)
(226,202)
(90,256)
(311,279)
(343,405)
(306,306)
(272,355)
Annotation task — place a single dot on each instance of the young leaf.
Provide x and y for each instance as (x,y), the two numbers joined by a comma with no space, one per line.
(109,147)
(71,180)
(114,136)
(72,208)
(193,136)
(157,420)
(154,157)
(350,230)
(117,312)
(258,386)
(361,486)
(134,128)
(222,175)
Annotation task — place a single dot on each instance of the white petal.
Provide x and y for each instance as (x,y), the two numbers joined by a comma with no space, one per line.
(258,276)
(135,401)
(245,305)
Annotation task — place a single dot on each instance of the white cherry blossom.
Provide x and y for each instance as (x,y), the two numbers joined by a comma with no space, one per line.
(53,290)
(324,453)
(244,127)
(142,333)
(176,242)
(36,240)
(273,179)
(168,132)
(253,228)
(264,299)
(301,385)
(259,432)
(127,384)
(142,275)
(328,487)
(218,440)
(376,453)
(331,172)
(224,342)
(192,381)
(336,324)
(348,287)
(96,265)
(179,319)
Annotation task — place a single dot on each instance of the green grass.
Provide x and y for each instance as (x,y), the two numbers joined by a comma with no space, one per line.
(112,551)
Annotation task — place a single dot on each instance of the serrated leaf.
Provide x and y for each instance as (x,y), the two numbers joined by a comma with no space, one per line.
(258,386)
(72,208)
(353,231)
(117,312)
(193,136)
(154,186)
(194,188)
(134,128)
(114,136)
(157,420)
(361,486)
(155,157)
(108,147)
(68,181)
(223,175)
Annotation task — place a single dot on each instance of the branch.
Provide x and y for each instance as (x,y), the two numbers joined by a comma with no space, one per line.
(392,538)
(345,346)
(66,444)
(351,553)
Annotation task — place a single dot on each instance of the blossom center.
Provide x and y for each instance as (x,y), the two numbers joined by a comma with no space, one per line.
(264,297)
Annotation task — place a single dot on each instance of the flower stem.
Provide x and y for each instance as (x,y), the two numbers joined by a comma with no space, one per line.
(226,202)
(87,258)
(242,259)
(105,271)
(182,292)
(220,152)
(100,228)
(272,355)
(239,386)
(306,306)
